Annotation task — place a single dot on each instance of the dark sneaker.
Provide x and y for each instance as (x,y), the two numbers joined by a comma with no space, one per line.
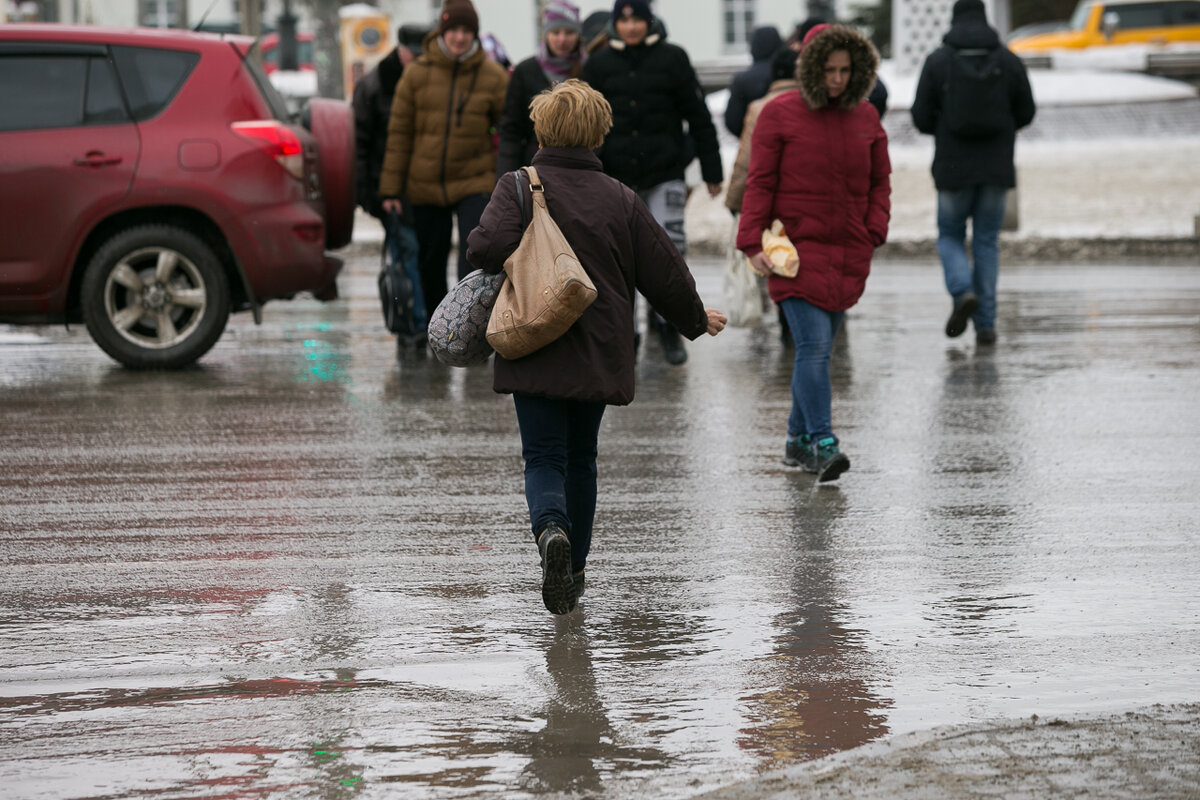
(964,307)
(557,585)
(831,462)
(672,344)
(985,338)
(800,454)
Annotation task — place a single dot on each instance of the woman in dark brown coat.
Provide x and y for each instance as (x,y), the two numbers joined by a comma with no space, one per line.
(561,391)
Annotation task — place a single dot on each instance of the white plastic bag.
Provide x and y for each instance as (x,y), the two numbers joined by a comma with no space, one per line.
(742,287)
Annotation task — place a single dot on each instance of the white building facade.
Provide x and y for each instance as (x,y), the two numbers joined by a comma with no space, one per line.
(708,29)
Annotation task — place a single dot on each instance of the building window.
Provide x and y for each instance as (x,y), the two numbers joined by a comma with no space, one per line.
(739,23)
(163,13)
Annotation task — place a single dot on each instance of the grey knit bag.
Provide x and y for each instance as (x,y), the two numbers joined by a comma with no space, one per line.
(458,327)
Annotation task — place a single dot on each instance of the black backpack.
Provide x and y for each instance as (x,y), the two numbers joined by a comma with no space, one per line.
(976,103)
(395,287)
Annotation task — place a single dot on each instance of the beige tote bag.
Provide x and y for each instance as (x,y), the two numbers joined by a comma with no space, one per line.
(547,288)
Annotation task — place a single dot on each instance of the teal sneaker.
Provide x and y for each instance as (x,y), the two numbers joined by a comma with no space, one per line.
(800,454)
(831,462)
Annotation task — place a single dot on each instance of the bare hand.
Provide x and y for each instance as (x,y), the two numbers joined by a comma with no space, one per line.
(714,189)
(393,206)
(716,321)
(760,263)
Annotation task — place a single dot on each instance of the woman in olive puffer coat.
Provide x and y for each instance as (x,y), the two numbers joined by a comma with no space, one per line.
(440,152)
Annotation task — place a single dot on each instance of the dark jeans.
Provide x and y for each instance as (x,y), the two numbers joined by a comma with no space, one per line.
(434,225)
(984,206)
(401,240)
(558,443)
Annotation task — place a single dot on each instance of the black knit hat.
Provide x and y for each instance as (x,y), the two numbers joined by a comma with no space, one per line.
(634,8)
(456,14)
(968,8)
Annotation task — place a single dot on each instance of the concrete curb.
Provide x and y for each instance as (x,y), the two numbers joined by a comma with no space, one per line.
(1012,250)
(1153,752)
(1031,249)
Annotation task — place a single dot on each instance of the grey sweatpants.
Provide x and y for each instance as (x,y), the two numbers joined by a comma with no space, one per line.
(666,202)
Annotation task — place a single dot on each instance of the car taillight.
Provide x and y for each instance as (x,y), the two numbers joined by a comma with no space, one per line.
(278,141)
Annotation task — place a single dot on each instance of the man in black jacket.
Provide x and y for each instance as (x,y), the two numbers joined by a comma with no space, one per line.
(973,96)
(752,82)
(372,103)
(653,91)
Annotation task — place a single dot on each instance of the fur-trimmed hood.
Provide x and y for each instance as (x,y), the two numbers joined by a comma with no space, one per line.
(810,69)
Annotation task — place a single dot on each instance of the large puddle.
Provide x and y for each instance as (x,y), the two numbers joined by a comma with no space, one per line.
(303,569)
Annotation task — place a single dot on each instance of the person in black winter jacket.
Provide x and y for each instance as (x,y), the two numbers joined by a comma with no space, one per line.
(974,129)
(653,91)
(372,104)
(752,82)
(559,57)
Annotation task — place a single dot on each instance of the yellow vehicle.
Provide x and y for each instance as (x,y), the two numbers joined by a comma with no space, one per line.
(1099,23)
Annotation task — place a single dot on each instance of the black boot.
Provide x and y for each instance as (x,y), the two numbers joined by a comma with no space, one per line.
(672,343)
(558,592)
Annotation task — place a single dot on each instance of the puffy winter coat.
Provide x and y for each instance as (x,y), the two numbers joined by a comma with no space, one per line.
(822,168)
(439,144)
(653,90)
(624,251)
(959,162)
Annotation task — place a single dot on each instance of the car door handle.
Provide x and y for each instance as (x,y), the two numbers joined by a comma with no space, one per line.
(97,159)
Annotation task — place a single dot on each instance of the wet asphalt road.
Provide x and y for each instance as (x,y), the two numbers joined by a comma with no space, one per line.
(301,570)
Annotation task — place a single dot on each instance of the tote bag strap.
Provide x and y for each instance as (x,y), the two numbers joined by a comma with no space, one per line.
(537,189)
(520,198)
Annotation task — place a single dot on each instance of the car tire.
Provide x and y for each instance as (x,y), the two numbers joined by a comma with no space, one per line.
(332,124)
(173,279)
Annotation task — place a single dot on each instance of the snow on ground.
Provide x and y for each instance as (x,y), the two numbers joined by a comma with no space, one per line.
(1069,186)
(1062,87)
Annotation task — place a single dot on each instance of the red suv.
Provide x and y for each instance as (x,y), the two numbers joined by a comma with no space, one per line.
(153,182)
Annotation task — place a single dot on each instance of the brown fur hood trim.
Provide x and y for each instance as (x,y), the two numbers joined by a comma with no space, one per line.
(810,69)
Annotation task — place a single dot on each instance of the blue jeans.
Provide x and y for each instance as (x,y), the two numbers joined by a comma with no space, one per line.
(558,443)
(984,205)
(813,330)
(402,240)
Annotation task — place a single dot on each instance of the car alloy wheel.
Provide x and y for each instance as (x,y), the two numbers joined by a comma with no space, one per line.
(155,297)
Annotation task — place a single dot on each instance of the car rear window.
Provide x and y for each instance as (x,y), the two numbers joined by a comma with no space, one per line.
(152,77)
(53,91)
(274,99)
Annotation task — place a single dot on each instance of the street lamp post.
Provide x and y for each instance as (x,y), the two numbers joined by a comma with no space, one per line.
(288,55)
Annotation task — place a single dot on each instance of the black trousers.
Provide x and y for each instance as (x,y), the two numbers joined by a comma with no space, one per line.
(434,225)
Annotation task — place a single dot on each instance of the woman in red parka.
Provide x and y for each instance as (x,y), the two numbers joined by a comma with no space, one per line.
(819,162)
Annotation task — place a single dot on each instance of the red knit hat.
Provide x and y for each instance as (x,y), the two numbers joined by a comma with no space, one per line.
(456,14)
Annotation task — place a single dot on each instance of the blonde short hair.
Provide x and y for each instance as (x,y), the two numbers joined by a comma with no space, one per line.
(572,114)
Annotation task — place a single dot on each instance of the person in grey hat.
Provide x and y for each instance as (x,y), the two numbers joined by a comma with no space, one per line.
(973,96)
(559,57)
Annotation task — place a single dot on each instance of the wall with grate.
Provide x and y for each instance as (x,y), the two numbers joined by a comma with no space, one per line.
(918,27)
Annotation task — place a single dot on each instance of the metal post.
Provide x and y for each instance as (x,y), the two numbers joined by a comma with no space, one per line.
(288,55)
